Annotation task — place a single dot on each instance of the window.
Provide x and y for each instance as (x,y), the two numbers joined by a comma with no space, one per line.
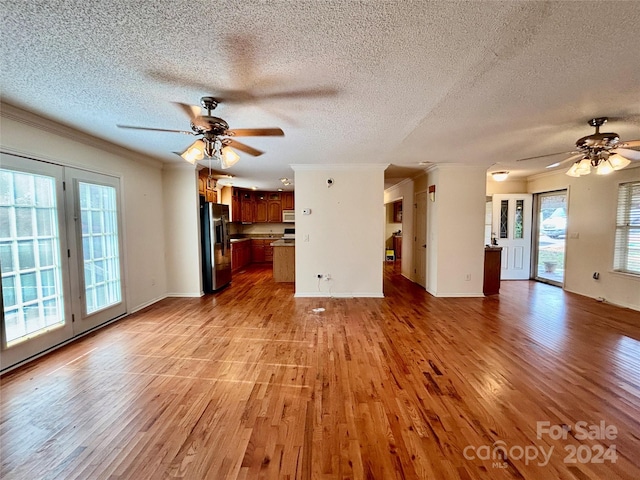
(627,244)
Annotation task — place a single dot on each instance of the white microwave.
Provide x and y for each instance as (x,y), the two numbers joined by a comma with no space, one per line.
(288,216)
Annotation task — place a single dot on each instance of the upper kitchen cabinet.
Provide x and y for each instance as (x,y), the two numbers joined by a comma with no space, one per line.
(274,207)
(231,196)
(260,200)
(287,201)
(206,187)
(397,212)
(247,206)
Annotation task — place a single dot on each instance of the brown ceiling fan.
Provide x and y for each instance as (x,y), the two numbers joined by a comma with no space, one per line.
(216,139)
(603,151)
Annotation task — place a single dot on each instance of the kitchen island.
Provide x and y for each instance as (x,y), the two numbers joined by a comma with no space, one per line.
(284,260)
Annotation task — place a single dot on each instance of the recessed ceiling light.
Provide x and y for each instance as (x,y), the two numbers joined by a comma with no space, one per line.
(254,188)
(284,179)
(553,165)
(279,189)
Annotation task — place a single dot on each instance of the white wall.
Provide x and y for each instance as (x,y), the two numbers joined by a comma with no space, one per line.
(145,252)
(343,236)
(404,191)
(516,185)
(455,231)
(182,231)
(591,215)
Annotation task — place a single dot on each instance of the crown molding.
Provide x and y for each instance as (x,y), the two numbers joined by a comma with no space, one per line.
(338,166)
(34,120)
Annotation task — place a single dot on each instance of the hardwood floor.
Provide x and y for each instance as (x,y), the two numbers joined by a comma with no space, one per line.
(251,383)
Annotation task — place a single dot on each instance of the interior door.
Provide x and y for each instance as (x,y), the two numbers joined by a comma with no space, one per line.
(512,230)
(420,239)
(33,259)
(95,242)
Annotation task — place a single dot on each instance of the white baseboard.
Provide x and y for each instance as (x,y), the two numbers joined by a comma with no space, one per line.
(337,295)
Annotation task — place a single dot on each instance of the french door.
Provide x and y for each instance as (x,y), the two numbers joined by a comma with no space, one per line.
(60,255)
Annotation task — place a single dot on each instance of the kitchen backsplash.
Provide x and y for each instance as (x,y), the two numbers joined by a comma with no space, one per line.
(264,228)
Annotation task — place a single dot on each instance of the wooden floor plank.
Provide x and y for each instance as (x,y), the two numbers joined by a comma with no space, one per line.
(251,383)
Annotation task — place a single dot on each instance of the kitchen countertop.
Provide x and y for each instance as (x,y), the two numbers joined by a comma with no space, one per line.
(284,243)
(257,237)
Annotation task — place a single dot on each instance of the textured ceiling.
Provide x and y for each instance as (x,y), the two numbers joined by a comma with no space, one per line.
(397,82)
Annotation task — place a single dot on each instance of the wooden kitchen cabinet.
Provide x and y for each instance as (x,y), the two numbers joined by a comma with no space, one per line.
(240,254)
(287,201)
(260,211)
(261,250)
(247,206)
(397,213)
(274,211)
(207,187)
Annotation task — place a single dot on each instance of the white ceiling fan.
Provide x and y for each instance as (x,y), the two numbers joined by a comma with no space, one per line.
(602,151)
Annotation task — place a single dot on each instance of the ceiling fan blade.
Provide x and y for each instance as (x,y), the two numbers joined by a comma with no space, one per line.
(632,143)
(572,158)
(626,153)
(543,156)
(256,132)
(155,129)
(242,147)
(192,111)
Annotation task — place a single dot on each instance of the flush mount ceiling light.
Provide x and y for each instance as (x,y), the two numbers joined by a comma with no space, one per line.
(500,176)
(215,141)
(602,151)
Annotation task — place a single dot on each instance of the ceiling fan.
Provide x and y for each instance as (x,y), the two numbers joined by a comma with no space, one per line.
(603,151)
(215,136)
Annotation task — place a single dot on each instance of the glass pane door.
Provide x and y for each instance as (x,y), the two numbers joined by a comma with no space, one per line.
(551,216)
(33,267)
(96,244)
(100,250)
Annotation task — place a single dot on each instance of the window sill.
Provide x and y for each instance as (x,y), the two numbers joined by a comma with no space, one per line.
(630,276)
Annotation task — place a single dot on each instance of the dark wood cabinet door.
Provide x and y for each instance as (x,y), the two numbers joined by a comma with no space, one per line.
(287,201)
(274,211)
(260,212)
(257,251)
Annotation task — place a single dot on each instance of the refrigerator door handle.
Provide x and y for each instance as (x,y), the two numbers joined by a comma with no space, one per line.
(225,236)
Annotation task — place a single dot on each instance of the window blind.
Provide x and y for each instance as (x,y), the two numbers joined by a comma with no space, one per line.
(627,244)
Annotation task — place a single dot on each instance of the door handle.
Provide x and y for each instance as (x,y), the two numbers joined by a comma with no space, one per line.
(424,246)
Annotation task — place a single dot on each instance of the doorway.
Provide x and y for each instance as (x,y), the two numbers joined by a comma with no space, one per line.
(511,225)
(550,239)
(60,255)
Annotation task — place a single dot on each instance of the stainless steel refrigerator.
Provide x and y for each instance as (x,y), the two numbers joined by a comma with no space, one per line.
(216,246)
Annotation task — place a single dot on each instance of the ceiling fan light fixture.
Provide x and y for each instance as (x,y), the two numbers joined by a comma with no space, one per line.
(573,171)
(194,152)
(500,176)
(228,158)
(584,167)
(618,162)
(604,168)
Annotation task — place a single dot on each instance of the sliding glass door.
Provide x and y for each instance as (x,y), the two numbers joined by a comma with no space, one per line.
(60,255)
(551,215)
